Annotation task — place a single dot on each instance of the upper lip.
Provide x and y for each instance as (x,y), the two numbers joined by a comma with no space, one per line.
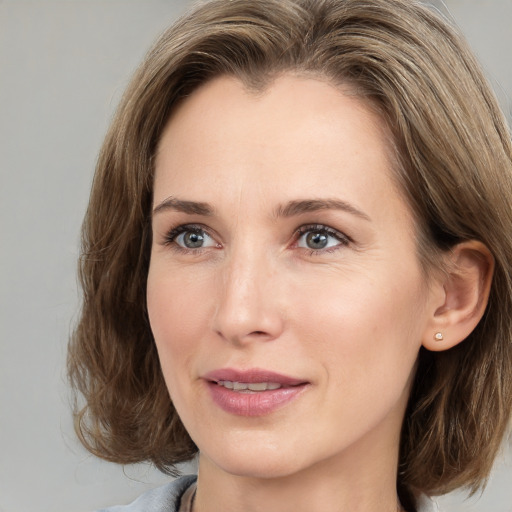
(251,375)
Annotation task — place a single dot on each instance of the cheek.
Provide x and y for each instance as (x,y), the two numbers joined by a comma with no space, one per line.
(363,328)
(369,347)
(178,312)
(176,322)
(365,301)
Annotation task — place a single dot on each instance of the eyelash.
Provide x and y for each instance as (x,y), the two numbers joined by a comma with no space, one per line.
(170,238)
(324,230)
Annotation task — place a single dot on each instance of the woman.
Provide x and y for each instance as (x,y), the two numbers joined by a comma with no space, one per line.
(299,230)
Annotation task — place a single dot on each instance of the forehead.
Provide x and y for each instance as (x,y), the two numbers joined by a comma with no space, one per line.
(302,135)
(287,98)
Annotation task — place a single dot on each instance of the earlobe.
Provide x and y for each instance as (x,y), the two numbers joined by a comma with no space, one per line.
(462,295)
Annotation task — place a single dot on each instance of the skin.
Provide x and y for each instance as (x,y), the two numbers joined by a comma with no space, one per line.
(349,319)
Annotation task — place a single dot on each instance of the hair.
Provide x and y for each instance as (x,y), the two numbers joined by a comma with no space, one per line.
(453,163)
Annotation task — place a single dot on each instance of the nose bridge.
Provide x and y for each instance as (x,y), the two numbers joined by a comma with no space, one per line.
(247,306)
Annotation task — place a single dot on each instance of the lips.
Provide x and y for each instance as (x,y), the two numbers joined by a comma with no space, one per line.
(253,392)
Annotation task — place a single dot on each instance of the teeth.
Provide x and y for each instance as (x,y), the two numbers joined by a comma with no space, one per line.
(249,386)
(258,386)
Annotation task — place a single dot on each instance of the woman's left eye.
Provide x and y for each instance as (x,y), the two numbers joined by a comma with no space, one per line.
(319,237)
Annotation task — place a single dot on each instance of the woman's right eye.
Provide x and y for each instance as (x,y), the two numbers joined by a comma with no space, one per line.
(190,238)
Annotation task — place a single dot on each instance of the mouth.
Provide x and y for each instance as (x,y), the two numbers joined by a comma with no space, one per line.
(252,392)
(249,387)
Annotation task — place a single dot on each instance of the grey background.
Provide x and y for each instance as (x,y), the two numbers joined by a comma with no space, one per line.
(63,67)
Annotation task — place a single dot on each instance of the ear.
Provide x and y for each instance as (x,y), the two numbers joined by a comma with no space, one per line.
(459,296)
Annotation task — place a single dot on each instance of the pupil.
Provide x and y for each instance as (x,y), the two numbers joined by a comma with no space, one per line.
(316,240)
(193,240)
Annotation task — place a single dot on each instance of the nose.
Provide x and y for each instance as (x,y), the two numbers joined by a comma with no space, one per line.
(249,307)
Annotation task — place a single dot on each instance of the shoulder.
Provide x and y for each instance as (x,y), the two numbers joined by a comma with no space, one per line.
(426,504)
(162,499)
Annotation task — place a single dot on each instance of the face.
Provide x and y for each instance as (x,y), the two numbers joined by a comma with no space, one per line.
(284,292)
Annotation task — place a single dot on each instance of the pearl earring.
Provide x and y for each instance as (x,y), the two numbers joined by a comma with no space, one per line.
(438,336)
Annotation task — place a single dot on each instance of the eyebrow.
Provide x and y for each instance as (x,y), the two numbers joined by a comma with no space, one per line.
(180,205)
(290,209)
(313,205)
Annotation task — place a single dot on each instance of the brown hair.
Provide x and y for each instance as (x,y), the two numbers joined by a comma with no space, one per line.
(454,164)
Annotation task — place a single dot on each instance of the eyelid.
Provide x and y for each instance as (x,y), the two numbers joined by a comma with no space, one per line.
(335,233)
(171,235)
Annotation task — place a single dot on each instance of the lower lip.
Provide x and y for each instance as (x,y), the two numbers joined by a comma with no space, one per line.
(258,403)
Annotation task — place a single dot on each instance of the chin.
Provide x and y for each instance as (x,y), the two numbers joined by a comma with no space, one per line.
(254,460)
(259,469)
